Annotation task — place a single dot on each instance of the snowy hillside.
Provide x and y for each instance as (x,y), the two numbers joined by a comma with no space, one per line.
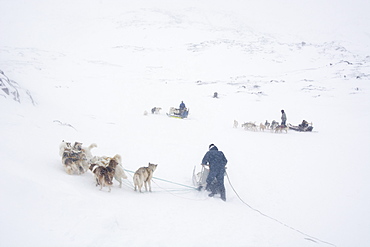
(88,70)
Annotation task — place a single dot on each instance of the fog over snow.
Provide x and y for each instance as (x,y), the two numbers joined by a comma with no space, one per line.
(88,70)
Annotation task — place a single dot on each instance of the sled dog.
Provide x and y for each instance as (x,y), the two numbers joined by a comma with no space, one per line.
(274,124)
(87,150)
(267,124)
(119,173)
(236,124)
(66,150)
(77,146)
(280,128)
(74,162)
(262,127)
(104,175)
(104,161)
(143,176)
(155,110)
(64,146)
(249,126)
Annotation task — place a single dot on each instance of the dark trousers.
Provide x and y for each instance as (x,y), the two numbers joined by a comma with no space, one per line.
(215,181)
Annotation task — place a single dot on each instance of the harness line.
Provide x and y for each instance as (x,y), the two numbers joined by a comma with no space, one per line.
(309,237)
(170,192)
(314,239)
(164,180)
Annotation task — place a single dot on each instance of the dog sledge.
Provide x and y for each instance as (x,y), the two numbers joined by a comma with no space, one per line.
(303,127)
(200,178)
(178,113)
(144,176)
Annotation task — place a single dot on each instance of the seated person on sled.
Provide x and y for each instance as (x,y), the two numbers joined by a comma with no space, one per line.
(303,125)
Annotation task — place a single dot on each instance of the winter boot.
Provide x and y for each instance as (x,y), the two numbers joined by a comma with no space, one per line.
(208,188)
(211,187)
(223,194)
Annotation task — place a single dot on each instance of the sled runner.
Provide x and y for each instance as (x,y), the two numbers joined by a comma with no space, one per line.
(178,113)
(199,179)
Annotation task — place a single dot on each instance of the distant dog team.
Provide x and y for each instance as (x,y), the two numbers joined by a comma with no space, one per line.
(274,126)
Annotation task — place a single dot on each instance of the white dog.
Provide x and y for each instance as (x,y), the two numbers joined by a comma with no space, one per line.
(119,173)
(144,176)
(87,150)
(63,147)
(236,124)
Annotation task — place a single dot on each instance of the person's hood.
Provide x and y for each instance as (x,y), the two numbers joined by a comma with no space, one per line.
(213,147)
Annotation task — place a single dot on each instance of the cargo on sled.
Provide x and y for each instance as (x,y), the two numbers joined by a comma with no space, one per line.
(303,127)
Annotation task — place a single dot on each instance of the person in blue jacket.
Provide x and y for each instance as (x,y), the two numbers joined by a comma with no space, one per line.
(182,106)
(182,109)
(216,161)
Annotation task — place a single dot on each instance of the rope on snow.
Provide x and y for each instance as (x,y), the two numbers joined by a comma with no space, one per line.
(311,238)
(167,181)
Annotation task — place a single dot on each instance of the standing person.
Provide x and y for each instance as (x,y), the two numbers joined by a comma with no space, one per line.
(182,109)
(182,106)
(283,118)
(217,162)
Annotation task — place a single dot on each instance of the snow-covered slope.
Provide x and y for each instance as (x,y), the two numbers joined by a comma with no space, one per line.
(87,71)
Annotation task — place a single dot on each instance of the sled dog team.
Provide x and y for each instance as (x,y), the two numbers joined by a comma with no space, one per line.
(273,126)
(77,159)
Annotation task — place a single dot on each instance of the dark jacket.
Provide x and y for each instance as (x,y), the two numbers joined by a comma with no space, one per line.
(216,159)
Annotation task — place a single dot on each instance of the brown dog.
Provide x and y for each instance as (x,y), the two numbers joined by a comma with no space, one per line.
(103,176)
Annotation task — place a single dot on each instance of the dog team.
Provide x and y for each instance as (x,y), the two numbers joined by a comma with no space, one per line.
(273,126)
(77,159)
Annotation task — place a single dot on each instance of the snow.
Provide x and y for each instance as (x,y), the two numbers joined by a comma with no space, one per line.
(93,67)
